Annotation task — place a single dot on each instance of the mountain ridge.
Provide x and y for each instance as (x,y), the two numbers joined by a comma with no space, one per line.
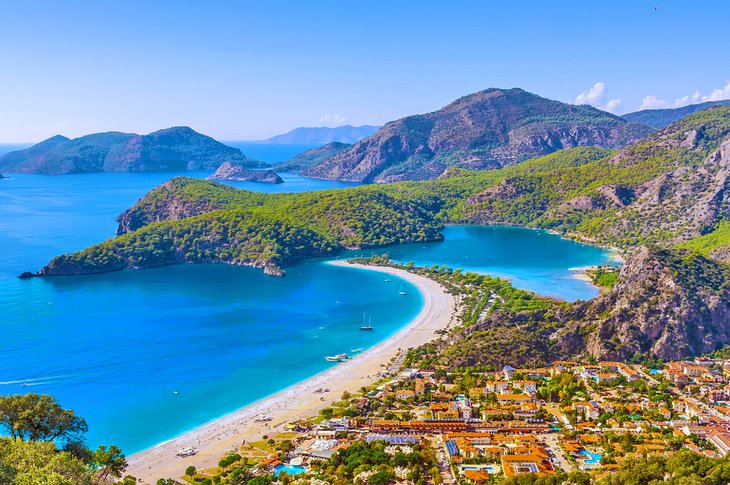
(487,129)
(651,199)
(310,157)
(177,148)
(324,134)
(661,118)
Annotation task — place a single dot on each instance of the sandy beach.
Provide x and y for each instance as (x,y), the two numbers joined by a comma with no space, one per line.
(216,438)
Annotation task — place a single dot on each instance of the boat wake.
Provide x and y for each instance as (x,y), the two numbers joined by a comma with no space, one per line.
(33,381)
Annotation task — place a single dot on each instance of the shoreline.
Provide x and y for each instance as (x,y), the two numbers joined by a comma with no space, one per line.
(300,400)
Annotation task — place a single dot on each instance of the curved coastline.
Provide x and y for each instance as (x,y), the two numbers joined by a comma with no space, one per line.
(216,438)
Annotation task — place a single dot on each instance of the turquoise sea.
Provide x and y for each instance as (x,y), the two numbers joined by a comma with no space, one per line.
(146,355)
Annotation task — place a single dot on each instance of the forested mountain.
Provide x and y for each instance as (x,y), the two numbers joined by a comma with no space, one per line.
(312,157)
(664,190)
(655,199)
(173,149)
(661,118)
(485,130)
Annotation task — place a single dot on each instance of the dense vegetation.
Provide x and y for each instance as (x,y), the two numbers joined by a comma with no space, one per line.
(713,243)
(36,425)
(487,129)
(374,461)
(660,118)
(589,193)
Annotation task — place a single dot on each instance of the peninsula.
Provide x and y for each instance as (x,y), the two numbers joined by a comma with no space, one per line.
(236,171)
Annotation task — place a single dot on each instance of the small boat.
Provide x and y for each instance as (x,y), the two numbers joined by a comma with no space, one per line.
(355,351)
(337,358)
(401,291)
(386,280)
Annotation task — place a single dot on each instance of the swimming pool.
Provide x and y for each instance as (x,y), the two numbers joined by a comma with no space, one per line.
(590,458)
(289,469)
(493,469)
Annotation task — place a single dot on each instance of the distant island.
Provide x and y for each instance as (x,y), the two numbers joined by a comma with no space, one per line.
(170,150)
(312,157)
(484,130)
(236,171)
(322,135)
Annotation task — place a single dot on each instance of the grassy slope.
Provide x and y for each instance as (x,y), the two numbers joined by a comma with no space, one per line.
(220,223)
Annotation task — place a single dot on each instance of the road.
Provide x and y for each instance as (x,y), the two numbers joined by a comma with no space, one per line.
(442,461)
(553,445)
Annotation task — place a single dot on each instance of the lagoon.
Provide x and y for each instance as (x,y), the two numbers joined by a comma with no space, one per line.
(147,355)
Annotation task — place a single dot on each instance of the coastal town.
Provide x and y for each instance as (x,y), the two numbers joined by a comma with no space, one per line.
(442,425)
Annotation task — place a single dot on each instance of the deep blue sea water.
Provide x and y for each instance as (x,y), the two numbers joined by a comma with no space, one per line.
(146,355)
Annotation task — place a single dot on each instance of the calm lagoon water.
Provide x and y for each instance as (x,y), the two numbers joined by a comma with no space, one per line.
(146,355)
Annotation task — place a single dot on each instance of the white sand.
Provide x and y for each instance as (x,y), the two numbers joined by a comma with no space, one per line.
(299,401)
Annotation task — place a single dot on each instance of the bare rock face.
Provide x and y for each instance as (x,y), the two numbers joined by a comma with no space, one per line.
(665,304)
(236,171)
(488,129)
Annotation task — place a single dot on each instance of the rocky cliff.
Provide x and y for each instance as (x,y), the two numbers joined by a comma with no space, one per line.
(172,149)
(488,129)
(312,157)
(236,171)
(665,304)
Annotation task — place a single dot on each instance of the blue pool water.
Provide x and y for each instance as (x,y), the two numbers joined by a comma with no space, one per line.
(146,355)
(590,458)
(290,470)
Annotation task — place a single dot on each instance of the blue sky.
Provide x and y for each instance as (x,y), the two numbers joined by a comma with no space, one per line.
(249,70)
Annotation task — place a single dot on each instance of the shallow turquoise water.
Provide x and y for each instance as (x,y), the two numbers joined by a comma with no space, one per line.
(146,355)
(533,260)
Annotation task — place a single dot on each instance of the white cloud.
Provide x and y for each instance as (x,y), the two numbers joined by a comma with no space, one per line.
(595,97)
(652,102)
(719,94)
(333,119)
(612,105)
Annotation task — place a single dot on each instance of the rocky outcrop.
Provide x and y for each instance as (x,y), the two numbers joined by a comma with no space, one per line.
(312,157)
(665,304)
(236,171)
(173,149)
(488,129)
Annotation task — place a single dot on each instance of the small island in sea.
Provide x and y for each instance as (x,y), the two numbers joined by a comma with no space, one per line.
(238,172)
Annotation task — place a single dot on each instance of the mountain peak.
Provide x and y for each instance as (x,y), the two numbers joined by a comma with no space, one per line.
(487,129)
(177,148)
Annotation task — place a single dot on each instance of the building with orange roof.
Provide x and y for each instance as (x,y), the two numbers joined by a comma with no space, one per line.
(477,476)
